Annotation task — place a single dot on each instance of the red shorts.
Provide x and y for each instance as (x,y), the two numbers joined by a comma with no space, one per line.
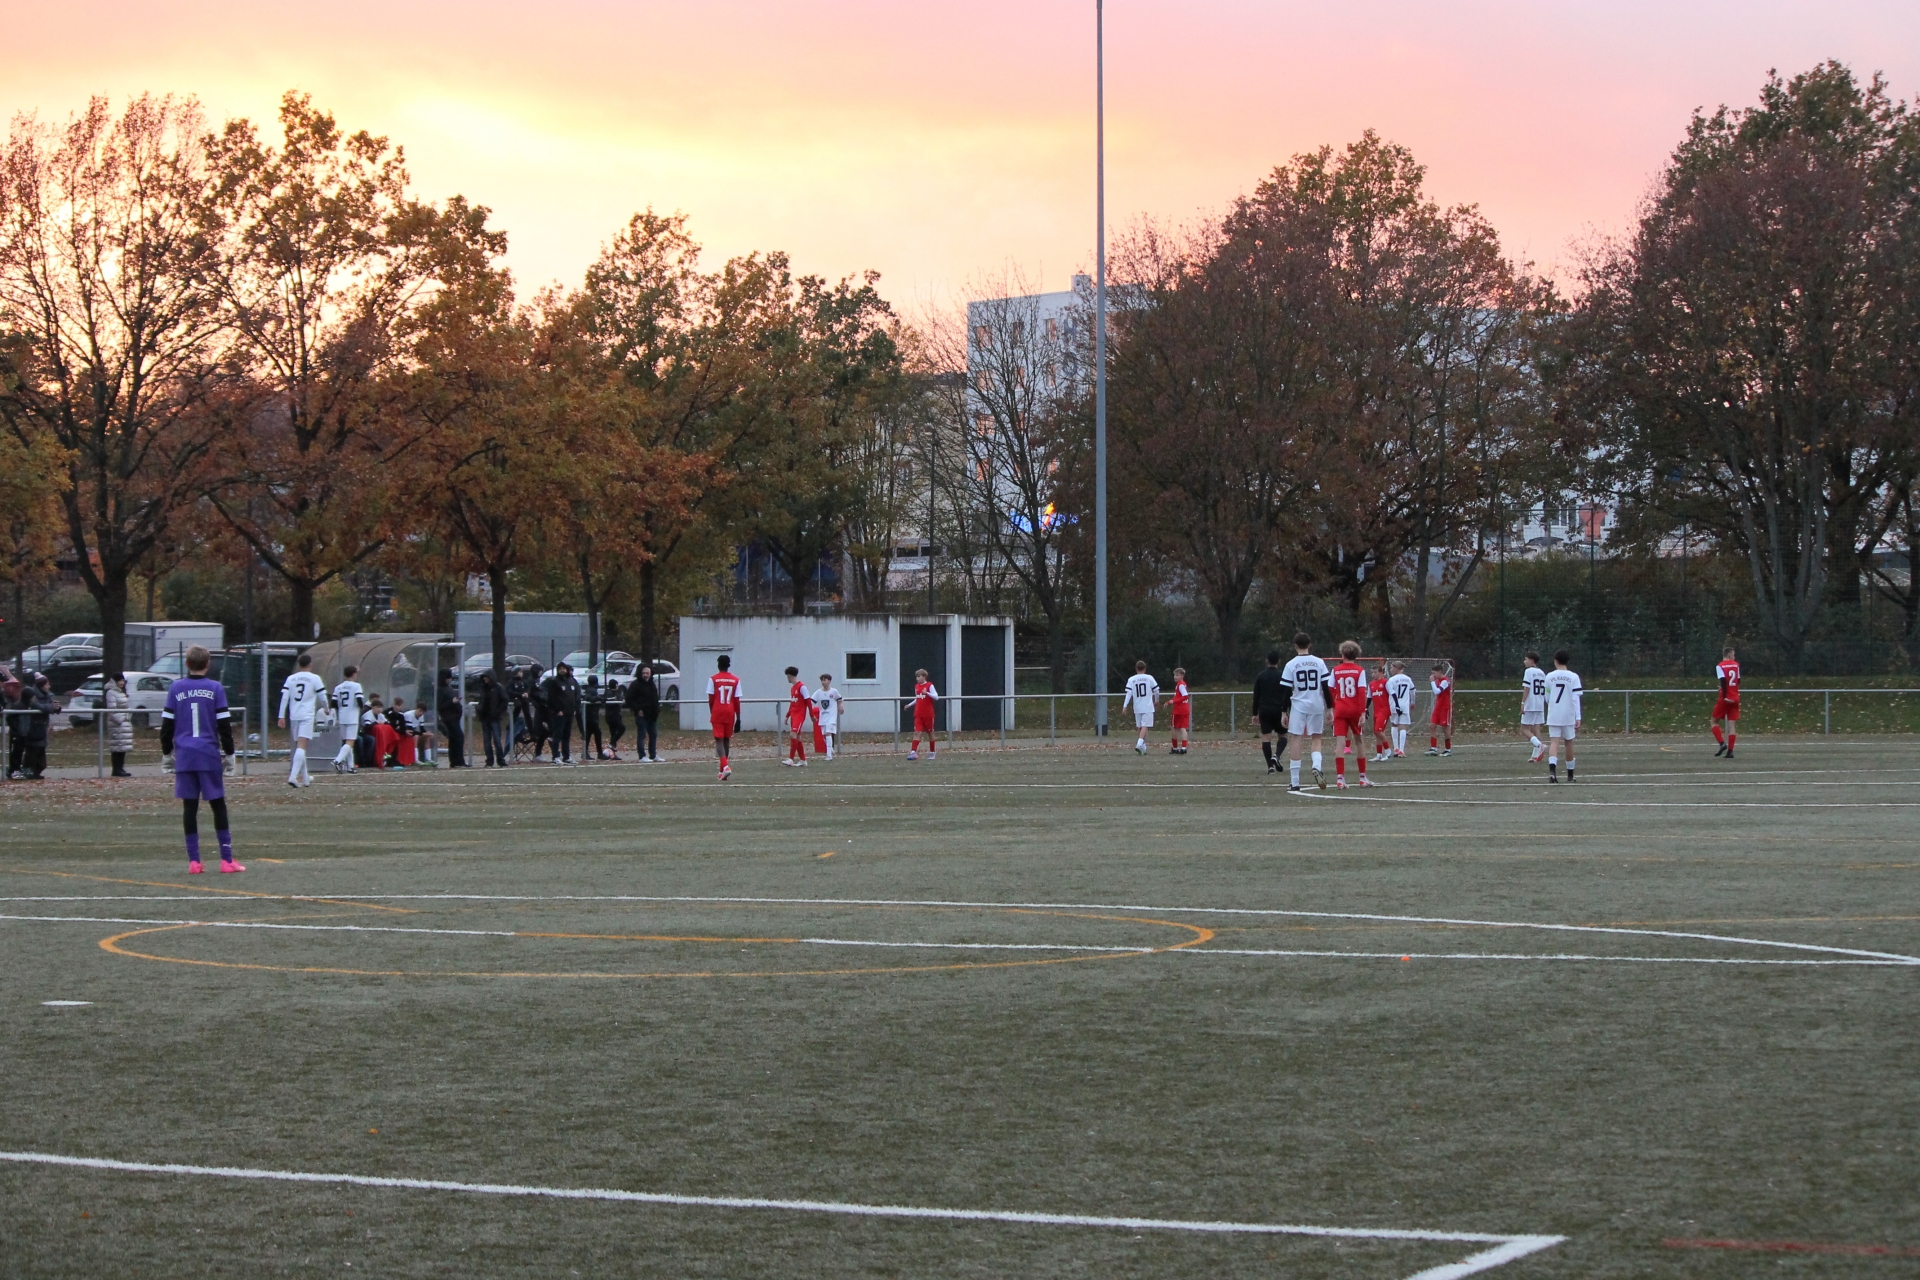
(1380,721)
(923,720)
(1724,710)
(1183,717)
(723,728)
(797,723)
(1344,725)
(1443,716)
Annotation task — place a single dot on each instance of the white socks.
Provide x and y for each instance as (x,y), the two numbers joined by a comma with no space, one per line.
(1553,762)
(1316,761)
(1399,739)
(299,764)
(1293,768)
(1535,741)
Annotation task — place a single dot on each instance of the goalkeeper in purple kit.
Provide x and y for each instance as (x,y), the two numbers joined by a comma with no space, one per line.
(197,732)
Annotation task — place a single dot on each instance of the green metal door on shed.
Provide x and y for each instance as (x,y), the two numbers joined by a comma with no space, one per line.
(983,674)
(922,646)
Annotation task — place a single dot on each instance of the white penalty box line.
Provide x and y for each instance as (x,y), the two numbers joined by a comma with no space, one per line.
(1505,1248)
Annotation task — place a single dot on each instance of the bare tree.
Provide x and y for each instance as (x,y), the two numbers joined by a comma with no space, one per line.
(106,280)
(1015,420)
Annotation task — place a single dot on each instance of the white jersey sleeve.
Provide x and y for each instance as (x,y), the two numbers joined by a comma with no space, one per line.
(1307,676)
(1533,691)
(1563,698)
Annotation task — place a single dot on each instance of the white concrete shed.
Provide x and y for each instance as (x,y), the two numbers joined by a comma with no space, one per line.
(871,658)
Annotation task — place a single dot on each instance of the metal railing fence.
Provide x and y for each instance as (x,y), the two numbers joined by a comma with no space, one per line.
(9,716)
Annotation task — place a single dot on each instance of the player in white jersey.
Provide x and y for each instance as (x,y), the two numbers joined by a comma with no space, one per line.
(1563,715)
(826,713)
(349,704)
(299,702)
(1307,676)
(1143,695)
(1533,705)
(1399,707)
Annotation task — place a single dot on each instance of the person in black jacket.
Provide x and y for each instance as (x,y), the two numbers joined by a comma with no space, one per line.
(494,712)
(37,698)
(643,699)
(1271,698)
(592,699)
(562,695)
(538,722)
(453,721)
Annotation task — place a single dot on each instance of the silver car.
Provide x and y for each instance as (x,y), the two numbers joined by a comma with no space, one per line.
(146,690)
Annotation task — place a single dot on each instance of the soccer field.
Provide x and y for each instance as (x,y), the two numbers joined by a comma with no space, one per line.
(1015,1013)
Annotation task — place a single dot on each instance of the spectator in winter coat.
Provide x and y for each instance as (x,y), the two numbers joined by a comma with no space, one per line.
(495,718)
(539,723)
(37,700)
(119,722)
(15,706)
(453,716)
(592,700)
(563,704)
(643,699)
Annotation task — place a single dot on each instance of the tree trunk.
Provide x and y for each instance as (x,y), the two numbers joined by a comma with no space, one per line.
(799,581)
(1227,612)
(1057,651)
(497,587)
(593,603)
(1423,567)
(110,593)
(300,593)
(649,600)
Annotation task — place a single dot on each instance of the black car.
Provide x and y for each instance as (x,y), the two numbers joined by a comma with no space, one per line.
(69,666)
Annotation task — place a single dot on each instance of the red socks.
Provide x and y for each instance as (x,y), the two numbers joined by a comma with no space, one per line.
(1730,738)
(1719,736)
(1339,766)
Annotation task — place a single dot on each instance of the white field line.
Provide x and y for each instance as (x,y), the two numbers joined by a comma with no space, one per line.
(1885,957)
(1507,1247)
(1543,799)
(1558,955)
(515,933)
(1103,906)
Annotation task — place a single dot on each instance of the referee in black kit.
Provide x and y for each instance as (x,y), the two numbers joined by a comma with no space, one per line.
(1271,697)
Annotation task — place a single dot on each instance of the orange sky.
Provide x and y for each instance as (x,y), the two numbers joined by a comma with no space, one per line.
(942,144)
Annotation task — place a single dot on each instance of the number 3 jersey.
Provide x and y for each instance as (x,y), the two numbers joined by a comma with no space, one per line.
(196,706)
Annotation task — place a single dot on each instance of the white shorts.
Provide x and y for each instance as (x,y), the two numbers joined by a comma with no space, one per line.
(1404,719)
(301,728)
(1533,717)
(1307,722)
(1560,731)
(1143,719)
(829,727)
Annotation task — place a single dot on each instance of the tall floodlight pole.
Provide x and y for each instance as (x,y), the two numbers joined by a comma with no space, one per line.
(1100,369)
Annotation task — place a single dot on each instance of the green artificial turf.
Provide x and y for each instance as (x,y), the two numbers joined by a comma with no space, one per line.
(1619,1104)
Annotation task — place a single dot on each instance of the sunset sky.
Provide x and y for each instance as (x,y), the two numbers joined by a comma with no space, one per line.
(944,145)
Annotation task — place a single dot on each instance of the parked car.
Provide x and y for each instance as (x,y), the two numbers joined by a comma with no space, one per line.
(69,666)
(40,655)
(147,691)
(484,662)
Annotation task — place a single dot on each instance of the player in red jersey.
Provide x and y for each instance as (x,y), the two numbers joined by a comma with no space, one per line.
(925,699)
(1180,704)
(1349,685)
(1442,681)
(799,703)
(1726,711)
(1377,702)
(723,709)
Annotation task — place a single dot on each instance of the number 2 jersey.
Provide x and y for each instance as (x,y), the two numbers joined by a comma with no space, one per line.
(1728,675)
(196,706)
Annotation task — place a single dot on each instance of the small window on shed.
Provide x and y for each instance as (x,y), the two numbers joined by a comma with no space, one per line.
(863,666)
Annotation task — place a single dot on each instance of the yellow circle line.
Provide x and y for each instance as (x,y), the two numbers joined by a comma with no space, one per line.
(1200,932)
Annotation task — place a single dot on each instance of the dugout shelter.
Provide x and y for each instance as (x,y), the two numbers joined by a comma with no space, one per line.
(872,659)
